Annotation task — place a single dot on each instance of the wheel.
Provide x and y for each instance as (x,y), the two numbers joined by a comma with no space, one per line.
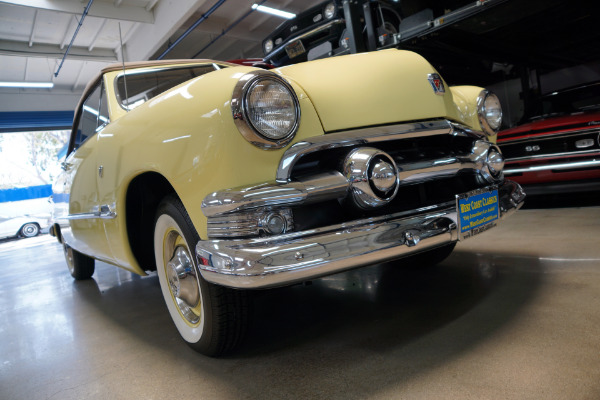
(80,266)
(29,230)
(211,319)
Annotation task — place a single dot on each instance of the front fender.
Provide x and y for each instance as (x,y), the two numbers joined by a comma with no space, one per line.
(188,135)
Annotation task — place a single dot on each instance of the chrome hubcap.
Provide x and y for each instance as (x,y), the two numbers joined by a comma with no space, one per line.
(182,277)
(69,257)
(183,283)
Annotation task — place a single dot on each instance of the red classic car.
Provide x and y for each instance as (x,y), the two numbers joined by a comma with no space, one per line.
(558,150)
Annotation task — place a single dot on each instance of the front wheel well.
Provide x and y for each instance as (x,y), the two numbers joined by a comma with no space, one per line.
(144,194)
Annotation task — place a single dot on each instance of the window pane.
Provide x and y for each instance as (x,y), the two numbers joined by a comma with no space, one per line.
(89,117)
(142,86)
(103,117)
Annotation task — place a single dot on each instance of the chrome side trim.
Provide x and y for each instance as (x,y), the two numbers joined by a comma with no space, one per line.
(104,212)
(561,166)
(549,136)
(291,258)
(554,155)
(329,185)
(363,136)
(305,35)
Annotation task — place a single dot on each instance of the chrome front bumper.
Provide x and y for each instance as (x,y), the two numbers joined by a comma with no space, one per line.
(300,256)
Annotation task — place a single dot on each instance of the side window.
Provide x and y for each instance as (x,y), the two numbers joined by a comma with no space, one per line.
(135,88)
(94,115)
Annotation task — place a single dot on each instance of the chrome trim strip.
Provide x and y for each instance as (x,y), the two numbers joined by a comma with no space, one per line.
(287,259)
(562,166)
(553,155)
(104,212)
(334,185)
(548,136)
(316,30)
(363,136)
(433,169)
(329,185)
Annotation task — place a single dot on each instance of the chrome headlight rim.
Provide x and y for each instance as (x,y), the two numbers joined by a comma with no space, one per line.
(268,46)
(239,109)
(481,113)
(329,10)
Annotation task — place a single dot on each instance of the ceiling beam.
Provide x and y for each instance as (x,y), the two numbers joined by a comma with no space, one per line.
(148,39)
(97,35)
(32,36)
(98,9)
(69,32)
(21,49)
(76,83)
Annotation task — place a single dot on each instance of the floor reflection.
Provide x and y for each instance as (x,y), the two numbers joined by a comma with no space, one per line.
(388,303)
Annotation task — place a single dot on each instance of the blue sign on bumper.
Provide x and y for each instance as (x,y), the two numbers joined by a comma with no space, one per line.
(477,211)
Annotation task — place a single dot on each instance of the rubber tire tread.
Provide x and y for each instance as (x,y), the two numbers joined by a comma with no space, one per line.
(227,311)
(83,266)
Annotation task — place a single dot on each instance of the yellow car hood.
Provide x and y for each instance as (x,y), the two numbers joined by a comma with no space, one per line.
(371,89)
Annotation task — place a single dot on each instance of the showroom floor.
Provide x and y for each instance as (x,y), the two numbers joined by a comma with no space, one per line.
(512,314)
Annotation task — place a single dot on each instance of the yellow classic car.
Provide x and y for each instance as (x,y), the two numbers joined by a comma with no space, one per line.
(224,178)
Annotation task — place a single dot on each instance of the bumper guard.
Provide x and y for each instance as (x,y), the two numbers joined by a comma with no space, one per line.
(295,257)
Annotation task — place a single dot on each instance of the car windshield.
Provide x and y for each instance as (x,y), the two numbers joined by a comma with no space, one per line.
(568,101)
(138,86)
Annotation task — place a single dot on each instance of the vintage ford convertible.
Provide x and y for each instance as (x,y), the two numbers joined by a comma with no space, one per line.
(224,178)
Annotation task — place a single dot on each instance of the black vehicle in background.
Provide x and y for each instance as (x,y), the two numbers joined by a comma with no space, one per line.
(337,27)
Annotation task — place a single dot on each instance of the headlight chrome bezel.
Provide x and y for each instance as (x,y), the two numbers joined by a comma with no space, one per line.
(268,46)
(239,108)
(329,7)
(487,128)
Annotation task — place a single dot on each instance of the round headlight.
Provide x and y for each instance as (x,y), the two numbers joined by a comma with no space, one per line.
(329,11)
(265,109)
(271,108)
(268,46)
(489,112)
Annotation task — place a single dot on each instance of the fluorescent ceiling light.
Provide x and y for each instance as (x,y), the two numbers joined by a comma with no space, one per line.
(273,11)
(32,85)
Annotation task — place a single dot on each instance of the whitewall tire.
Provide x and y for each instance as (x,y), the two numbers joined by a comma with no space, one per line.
(210,318)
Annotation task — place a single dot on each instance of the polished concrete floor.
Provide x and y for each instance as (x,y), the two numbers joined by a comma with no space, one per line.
(512,314)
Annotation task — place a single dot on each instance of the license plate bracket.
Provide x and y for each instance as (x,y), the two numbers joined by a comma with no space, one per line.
(477,211)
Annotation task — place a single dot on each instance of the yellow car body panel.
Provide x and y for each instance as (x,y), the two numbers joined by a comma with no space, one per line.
(465,98)
(196,155)
(188,136)
(395,88)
